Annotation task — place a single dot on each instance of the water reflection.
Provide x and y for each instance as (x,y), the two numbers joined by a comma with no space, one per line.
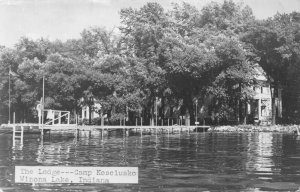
(52,153)
(262,154)
(168,162)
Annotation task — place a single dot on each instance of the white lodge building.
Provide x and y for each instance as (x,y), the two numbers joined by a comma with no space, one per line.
(85,111)
(261,105)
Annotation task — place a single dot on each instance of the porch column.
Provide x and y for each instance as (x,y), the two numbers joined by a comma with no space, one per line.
(259,109)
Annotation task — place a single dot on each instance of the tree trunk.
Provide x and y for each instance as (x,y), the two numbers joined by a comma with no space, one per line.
(161,110)
(75,115)
(237,110)
(245,113)
(188,102)
(273,121)
(241,112)
(192,115)
(240,105)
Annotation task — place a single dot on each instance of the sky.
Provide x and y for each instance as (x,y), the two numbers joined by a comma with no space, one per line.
(65,19)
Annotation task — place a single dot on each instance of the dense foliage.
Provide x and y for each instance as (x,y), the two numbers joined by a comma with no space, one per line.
(173,59)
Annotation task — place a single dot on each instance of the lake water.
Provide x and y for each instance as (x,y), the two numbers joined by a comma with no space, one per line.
(178,162)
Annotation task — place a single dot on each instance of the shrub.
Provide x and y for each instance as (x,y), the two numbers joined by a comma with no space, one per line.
(94,121)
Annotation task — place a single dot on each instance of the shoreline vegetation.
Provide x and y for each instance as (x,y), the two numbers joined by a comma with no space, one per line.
(292,129)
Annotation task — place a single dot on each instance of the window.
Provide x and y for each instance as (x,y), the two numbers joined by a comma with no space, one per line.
(257,89)
(265,90)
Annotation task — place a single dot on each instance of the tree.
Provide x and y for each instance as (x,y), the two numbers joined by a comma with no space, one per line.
(64,78)
(31,49)
(202,47)
(9,60)
(142,31)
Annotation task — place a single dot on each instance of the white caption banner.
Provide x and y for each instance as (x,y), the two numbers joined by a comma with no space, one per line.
(51,174)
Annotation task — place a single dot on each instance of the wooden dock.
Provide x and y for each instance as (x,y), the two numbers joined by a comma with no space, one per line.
(18,130)
(32,127)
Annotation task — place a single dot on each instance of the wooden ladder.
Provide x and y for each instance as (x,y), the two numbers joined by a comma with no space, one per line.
(18,134)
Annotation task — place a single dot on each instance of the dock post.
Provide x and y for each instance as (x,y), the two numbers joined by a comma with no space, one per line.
(40,119)
(76,133)
(14,134)
(102,132)
(168,122)
(59,119)
(42,131)
(68,117)
(141,132)
(22,134)
(42,140)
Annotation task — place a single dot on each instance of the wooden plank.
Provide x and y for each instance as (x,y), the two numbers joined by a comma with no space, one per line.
(93,127)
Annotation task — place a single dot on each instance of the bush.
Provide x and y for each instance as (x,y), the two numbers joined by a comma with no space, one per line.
(94,121)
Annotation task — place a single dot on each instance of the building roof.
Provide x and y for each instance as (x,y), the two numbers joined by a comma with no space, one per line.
(260,73)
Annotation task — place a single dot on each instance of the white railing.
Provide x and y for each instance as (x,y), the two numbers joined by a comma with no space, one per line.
(57,116)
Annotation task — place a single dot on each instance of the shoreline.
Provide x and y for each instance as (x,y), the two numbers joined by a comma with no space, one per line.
(291,129)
